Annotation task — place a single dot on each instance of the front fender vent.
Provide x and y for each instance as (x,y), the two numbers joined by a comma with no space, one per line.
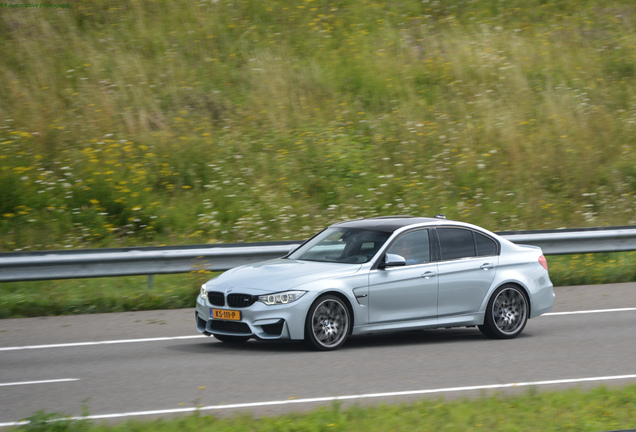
(274,329)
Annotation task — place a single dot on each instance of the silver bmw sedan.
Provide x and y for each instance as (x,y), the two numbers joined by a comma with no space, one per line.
(380,275)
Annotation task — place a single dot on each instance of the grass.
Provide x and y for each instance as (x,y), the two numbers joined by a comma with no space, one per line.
(592,269)
(571,410)
(99,295)
(154,122)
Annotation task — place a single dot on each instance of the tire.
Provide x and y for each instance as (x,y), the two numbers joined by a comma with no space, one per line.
(507,313)
(328,323)
(231,339)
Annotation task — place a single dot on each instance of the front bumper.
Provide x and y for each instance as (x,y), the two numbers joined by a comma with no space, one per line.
(258,320)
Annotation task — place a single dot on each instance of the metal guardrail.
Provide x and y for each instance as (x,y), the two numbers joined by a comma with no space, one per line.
(134,261)
(46,265)
(582,241)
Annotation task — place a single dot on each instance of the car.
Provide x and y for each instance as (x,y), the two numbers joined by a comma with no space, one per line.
(381,274)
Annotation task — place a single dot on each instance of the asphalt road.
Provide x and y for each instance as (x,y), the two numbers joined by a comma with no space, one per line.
(155,364)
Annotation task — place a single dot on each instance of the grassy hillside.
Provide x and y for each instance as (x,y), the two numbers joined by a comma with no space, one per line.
(157,122)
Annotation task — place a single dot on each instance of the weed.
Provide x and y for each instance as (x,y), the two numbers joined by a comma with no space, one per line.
(206,122)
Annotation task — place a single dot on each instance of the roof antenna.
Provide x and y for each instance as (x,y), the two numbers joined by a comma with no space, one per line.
(440,216)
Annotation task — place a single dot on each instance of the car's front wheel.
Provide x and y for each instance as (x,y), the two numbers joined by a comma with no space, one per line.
(328,323)
(507,313)
(231,339)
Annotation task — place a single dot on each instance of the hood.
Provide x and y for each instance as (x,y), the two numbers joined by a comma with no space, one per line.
(279,275)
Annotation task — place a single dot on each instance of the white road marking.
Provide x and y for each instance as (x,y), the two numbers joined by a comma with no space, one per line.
(159,339)
(590,311)
(109,342)
(338,398)
(39,382)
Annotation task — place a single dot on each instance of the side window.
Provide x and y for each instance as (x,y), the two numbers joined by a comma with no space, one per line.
(456,243)
(413,246)
(485,245)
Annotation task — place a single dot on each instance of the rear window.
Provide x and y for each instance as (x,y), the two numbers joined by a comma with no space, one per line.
(485,245)
(457,243)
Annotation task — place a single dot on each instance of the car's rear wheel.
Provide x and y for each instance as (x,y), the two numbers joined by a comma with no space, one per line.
(507,313)
(231,339)
(328,323)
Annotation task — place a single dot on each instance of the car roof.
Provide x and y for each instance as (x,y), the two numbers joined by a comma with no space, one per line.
(389,223)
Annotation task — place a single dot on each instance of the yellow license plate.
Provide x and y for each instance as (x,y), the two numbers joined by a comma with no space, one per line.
(223,314)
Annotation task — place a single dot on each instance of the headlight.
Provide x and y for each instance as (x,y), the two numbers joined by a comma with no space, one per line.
(204,292)
(281,297)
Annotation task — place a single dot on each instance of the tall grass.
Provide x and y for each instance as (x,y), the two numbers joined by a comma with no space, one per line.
(156,122)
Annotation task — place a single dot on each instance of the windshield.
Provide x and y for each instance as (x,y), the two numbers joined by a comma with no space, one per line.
(342,245)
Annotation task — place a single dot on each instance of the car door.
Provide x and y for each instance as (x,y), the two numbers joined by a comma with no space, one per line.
(467,264)
(407,292)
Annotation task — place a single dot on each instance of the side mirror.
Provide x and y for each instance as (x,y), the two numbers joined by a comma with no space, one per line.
(392,260)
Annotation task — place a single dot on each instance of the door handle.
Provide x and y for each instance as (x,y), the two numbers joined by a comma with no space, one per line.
(429,274)
(487,266)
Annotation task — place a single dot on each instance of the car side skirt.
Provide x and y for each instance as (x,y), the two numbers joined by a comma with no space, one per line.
(430,323)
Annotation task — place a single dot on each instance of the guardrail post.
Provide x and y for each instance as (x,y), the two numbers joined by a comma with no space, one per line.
(151,281)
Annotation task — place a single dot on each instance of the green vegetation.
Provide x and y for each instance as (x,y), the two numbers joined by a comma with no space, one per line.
(99,295)
(592,269)
(599,409)
(156,122)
